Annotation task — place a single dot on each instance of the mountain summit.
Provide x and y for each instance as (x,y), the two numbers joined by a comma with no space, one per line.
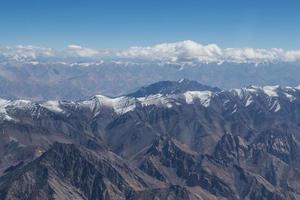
(172,87)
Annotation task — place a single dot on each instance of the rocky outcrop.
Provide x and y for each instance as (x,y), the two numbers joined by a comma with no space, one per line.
(69,172)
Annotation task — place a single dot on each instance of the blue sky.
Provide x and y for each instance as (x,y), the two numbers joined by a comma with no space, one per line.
(124,23)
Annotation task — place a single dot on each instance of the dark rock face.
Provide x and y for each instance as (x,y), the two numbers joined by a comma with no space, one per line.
(172,192)
(68,172)
(236,144)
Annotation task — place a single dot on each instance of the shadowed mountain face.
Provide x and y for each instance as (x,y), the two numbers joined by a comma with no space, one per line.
(172,87)
(169,140)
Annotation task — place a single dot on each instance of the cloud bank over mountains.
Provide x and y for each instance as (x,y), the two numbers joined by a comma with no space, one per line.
(179,52)
(186,51)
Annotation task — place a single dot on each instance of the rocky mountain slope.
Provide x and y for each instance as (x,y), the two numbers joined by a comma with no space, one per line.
(170,140)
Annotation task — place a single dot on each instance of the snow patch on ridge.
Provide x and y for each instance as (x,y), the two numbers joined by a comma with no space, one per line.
(19,104)
(52,106)
(3,113)
(271,90)
(249,101)
(120,104)
(3,104)
(290,97)
(275,106)
(124,104)
(203,96)
(157,99)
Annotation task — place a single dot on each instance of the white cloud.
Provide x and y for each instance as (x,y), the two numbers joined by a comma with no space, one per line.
(179,52)
(291,56)
(81,51)
(192,51)
(23,53)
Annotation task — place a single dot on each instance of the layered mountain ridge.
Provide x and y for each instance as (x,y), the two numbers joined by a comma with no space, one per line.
(73,80)
(169,140)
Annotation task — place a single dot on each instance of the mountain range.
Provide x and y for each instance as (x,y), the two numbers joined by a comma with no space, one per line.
(33,74)
(168,140)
